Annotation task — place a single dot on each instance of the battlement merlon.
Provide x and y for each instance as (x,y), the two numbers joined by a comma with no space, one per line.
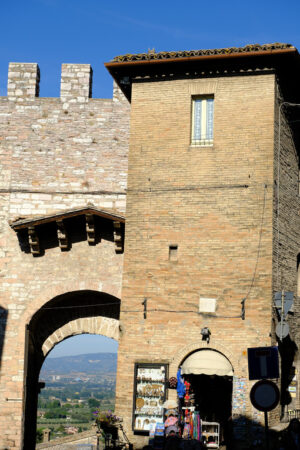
(75,85)
(23,81)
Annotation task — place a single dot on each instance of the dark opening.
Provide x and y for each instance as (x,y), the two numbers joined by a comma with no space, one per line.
(212,397)
(173,252)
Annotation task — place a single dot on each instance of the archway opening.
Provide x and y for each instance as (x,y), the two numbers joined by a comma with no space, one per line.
(207,401)
(66,315)
(79,375)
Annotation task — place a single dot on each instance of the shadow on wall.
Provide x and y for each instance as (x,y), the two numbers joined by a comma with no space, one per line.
(249,434)
(3,321)
(288,350)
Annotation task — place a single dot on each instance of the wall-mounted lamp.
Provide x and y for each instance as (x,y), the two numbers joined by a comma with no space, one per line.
(206,334)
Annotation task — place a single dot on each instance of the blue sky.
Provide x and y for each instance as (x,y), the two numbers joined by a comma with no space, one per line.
(52,32)
(84,343)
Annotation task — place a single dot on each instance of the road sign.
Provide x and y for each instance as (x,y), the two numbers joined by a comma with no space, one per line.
(284,300)
(264,395)
(282,329)
(263,363)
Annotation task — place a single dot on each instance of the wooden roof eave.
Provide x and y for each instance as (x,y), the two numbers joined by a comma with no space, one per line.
(32,222)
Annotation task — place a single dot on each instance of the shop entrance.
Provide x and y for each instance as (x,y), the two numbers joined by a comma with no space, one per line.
(208,379)
(211,395)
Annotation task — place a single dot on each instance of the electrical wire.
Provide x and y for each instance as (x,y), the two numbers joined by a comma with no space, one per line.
(138,310)
(258,247)
(189,188)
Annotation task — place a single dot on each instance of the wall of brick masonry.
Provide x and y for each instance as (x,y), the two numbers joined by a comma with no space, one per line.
(216,204)
(286,246)
(55,154)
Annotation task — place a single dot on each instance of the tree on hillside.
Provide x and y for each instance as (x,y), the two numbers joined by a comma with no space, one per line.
(93,403)
(39,435)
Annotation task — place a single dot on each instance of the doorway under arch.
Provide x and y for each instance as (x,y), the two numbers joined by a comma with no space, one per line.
(79,375)
(207,375)
(66,315)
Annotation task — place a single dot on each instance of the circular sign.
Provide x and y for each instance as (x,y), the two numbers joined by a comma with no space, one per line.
(264,395)
(282,330)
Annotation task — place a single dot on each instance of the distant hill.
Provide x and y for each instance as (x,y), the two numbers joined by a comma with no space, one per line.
(90,363)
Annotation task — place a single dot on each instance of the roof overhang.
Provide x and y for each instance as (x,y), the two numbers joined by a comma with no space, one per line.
(20,223)
(63,222)
(126,69)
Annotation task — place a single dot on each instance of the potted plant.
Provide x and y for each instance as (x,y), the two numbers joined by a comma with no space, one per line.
(108,422)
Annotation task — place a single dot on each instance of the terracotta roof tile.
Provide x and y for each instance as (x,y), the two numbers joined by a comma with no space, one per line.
(152,55)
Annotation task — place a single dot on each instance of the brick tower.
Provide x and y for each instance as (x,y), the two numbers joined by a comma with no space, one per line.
(212,218)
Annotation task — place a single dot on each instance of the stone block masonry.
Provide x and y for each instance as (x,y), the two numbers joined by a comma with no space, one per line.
(55,154)
(71,148)
(76,83)
(23,81)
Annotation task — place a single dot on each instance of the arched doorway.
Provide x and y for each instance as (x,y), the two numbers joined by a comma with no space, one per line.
(65,315)
(79,375)
(207,375)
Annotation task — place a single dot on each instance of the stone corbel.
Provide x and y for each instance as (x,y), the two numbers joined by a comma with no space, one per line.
(90,229)
(118,237)
(33,241)
(62,235)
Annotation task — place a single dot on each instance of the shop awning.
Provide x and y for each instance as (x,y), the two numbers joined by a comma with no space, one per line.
(207,362)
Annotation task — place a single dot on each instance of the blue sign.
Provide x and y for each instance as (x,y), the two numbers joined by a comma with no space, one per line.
(263,363)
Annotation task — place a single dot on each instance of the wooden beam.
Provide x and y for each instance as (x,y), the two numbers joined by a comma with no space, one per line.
(118,237)
(62,235)
(33,241)
(90,229)
(25,223)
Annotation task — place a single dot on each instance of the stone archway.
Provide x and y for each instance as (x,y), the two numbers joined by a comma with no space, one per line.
(104,326)
(66,315)
(209,373)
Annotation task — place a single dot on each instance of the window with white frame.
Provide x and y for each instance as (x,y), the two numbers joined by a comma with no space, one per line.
(202,120)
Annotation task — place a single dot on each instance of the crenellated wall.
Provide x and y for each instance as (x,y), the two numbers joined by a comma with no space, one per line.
(55,154)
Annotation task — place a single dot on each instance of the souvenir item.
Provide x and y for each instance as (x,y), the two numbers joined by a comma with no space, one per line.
(171,412)
(140,402)
(171,421)
(172,383)
(168,404)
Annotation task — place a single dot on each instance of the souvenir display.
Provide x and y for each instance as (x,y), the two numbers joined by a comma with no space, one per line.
(150,392)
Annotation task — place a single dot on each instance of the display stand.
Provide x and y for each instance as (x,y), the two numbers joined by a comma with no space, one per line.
(149,396)
(211,429)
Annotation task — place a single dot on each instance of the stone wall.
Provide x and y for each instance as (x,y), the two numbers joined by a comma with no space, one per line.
(55,154)
(71,442)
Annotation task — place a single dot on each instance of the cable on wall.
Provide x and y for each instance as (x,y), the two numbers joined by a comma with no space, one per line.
(243,302)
